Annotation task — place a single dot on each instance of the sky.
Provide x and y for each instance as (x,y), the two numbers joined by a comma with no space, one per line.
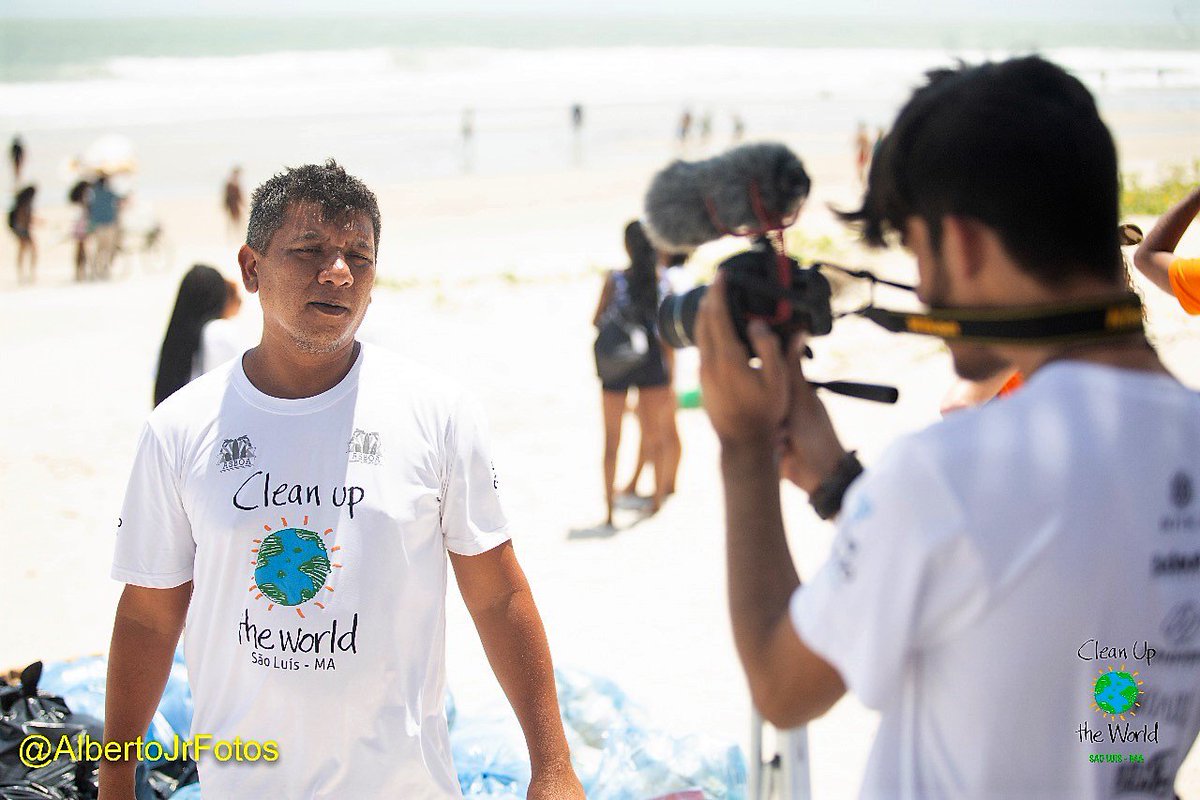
(1147,11)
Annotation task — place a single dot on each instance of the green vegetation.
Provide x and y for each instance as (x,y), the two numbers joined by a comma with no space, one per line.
(1152,199)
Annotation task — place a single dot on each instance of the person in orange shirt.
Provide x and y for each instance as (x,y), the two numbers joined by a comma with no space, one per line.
(1157,260)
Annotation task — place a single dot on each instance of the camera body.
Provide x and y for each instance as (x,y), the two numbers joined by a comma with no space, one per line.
(760,284)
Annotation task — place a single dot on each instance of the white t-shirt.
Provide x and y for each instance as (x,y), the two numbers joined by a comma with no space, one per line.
(991,568)
(220,340)
(316,533)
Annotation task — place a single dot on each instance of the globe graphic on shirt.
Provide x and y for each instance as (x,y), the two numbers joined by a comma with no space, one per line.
(1116,692)
(292,566)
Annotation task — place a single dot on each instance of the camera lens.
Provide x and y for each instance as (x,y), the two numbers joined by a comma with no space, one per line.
(677,317)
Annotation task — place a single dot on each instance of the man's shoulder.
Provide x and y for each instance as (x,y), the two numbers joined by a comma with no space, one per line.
(1058,407)
(197,403)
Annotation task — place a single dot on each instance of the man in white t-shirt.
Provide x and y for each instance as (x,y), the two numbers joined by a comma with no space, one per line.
(297,508)
(1016,588)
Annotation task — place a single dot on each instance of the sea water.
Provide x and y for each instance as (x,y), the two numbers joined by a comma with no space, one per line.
(388,96)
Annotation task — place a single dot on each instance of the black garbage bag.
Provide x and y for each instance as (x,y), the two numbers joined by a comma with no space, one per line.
(26,713)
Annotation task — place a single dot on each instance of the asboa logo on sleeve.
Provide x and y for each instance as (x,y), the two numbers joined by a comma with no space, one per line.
(236,454)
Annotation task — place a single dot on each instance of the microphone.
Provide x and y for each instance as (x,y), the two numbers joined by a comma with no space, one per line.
(746,190)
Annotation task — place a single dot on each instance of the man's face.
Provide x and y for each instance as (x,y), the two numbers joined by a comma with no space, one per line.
(314,280)
(938,286)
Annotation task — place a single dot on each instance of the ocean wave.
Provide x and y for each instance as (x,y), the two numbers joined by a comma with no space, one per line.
(277,65)
(440,82)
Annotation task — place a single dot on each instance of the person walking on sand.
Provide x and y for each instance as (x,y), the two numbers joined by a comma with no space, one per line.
(233,200)
(79,196)
(298,507)
(104,207)
(632,294)
(20,222)
(16,153)
(685,127)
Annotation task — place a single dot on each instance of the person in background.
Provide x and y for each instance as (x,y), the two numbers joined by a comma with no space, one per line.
(20,222)
(674,280)
(79,228)
(635,292)
(234,200)
(685,127)
(17,153)
(104,208)
(200,335)
(1156,259)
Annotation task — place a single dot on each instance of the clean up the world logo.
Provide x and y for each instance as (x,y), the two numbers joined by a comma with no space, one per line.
(1117,693)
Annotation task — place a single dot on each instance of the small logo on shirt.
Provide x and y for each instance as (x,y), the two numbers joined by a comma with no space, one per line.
(1118,694)
(1181,490)
(1181,493)
(1175,563)
(1182,623)
(365,447)
(236,454)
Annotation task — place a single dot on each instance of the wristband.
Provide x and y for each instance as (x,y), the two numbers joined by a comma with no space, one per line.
(826,499)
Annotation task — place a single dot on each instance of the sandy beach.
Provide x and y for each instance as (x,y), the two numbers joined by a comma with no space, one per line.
(491,279)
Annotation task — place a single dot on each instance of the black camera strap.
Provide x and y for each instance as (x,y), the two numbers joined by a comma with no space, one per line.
(1020,325)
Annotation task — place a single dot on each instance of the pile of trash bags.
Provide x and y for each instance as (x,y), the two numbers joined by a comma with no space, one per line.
(617,752)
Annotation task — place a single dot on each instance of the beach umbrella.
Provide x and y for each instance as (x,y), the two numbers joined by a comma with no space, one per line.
(109,155)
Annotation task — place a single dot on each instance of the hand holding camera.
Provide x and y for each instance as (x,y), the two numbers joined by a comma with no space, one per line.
(770,408)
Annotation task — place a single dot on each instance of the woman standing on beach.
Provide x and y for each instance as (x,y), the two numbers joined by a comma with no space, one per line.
(634,293)
(20,222)
(78,195)
(199,336)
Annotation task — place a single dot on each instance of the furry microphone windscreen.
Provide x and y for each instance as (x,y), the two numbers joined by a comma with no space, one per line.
(693,202)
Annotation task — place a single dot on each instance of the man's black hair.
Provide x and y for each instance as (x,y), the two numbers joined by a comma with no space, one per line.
(1017,145)
(328,185)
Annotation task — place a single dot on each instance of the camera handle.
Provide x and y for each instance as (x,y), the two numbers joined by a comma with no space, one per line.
(874,392)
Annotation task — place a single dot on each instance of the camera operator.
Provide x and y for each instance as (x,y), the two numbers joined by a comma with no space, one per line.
(988,568)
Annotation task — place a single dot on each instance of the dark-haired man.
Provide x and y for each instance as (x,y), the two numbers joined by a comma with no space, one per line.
(297,507)
(1013,587)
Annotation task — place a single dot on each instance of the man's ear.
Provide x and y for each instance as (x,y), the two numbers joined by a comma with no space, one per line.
(248,260)
(964,246)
